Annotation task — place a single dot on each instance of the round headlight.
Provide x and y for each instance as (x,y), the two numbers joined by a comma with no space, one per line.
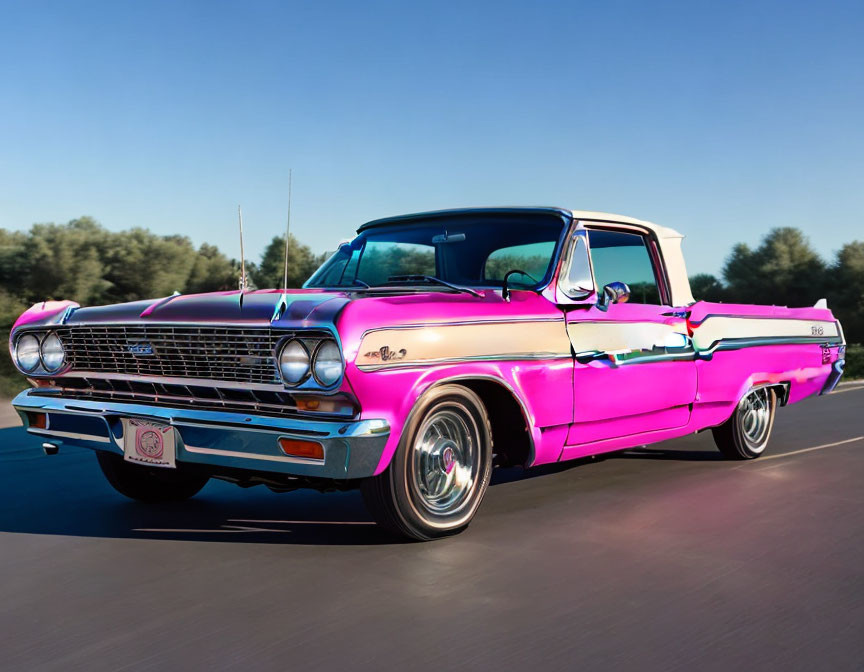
(53,354)
(327,367)
(294,362)
(27,353)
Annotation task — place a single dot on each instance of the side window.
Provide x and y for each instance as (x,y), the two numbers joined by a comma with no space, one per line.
(624,257)
(532,258)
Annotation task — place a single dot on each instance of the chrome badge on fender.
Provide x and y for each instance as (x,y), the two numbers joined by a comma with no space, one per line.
(385,354)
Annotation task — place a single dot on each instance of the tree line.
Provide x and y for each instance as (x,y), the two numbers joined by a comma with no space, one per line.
(784,270)
(83,261)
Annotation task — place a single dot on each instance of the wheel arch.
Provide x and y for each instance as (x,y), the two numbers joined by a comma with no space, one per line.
(512,440)
(780,388)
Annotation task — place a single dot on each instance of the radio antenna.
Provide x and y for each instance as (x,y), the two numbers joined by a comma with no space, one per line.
(287,233)
(243,282)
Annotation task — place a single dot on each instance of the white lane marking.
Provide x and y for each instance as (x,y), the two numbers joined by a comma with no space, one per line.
(303,522)
(808,450)
(848,389)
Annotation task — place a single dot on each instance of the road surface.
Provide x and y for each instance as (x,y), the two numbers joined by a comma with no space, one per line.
(663,558)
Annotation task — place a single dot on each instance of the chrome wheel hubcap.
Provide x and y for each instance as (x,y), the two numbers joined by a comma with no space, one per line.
(755,414)
(445,460)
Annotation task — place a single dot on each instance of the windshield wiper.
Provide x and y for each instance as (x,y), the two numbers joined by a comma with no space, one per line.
(435,281)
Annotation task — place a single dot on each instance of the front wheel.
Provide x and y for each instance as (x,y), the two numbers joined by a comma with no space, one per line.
(744,436)
(150,484)
(440,471)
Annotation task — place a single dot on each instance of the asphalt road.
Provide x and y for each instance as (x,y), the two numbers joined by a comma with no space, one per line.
(663,558)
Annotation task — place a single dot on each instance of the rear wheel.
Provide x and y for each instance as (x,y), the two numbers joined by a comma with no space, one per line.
(150,484)
(440,471)
(744,436)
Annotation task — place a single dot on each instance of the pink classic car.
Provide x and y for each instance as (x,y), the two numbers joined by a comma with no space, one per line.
(419,356)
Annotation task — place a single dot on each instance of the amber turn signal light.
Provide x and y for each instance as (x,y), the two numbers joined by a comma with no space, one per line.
(310,450)
(37,420)
(307,404)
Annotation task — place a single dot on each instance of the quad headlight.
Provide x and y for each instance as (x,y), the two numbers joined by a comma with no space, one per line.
(327,363)
(52,352)
(27,353)
(294,362)
(300,359)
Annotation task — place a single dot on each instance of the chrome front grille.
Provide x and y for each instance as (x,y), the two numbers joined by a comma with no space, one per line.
(230,354)
(205,398)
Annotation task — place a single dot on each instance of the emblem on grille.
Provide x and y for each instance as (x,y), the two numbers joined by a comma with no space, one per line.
(140,349)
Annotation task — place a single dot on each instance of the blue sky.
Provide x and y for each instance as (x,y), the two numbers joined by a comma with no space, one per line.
(720,119)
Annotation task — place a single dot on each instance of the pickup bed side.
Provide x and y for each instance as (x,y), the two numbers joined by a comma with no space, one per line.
(737,347)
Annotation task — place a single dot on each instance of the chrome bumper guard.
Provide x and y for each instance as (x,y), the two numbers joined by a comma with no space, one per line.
(352,448)
(833,377)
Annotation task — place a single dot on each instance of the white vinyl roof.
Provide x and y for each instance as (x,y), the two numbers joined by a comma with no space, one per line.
(661,231)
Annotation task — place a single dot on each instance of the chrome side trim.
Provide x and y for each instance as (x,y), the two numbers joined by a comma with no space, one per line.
(417,344)
(713,329)
(516,357)
(739,343)
(146,323)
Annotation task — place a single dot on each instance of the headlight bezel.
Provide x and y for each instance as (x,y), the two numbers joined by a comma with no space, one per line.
(327,342)
(314,345)
(52,369)
(308,370)
(17,353)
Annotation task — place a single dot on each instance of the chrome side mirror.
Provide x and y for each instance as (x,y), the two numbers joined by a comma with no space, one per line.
(614,292)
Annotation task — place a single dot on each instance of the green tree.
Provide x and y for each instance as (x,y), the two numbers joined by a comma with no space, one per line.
(706,287)
(11,307)
(269,274)
(12,259)
(783,270)
(64,262)
(141,265)
(846,290)
(212,271)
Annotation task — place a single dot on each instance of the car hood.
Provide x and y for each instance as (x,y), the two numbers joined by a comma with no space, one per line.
(294,308)
(297,308)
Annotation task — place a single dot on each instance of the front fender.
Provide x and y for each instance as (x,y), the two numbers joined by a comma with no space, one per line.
(544,389)
(46,313)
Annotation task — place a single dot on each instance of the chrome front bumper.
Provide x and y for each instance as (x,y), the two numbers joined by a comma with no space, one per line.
(352,448)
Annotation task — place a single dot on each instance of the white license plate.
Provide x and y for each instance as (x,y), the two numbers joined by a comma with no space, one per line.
(149,443)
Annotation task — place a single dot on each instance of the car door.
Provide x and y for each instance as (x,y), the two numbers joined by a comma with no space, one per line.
(634,370)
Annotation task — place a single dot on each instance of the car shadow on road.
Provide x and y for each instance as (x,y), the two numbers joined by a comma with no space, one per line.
(220,513)
(284,520)
(666,453)
(66,494)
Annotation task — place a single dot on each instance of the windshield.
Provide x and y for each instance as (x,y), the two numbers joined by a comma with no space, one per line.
(474,251)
